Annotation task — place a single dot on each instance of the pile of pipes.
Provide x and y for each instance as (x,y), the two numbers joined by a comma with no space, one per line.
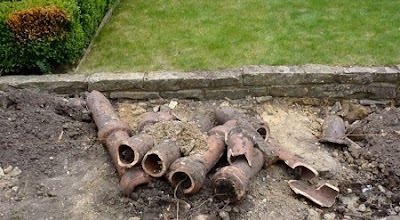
(247,143)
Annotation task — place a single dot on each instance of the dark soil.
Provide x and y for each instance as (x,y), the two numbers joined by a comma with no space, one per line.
(67,174)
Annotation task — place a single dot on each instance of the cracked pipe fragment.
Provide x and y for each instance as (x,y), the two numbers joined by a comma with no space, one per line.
(293,161)
(133,178)
(323,196)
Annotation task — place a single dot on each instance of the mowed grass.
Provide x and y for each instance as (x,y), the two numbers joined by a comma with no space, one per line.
(144,35)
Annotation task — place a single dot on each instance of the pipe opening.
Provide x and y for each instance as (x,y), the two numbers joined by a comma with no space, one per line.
(178,177)
(263,132)
(126,154)
(225,190)
(153,164)
(304,173)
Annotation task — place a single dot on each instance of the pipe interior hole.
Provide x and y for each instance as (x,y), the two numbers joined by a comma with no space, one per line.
(126,154)
(153,163)
(263,132)
(225,190)
(181,176)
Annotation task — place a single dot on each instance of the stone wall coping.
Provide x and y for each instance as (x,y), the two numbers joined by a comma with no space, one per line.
(309,80)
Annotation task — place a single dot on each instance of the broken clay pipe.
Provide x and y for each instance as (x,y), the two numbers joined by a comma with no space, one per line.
(191,171)
(157,161)
(132,150)
(133,178)
(111,130)
(333,130)
(230,182)
(323,196)
(150,118)
(204,122)
(239,145)
(293,161)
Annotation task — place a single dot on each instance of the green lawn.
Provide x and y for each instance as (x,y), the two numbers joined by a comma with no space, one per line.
(147,35)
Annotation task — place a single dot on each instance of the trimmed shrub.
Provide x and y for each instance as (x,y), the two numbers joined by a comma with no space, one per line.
(36,35)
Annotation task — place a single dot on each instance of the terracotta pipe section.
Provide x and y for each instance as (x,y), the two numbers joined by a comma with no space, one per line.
(157,161)
(230,182)
(224,114)
(239,145)
(133,178)
(132,150)
(323,196)
(150,118)
(333,130)
(111,130)
(293,161)
(190,172)
(204,122)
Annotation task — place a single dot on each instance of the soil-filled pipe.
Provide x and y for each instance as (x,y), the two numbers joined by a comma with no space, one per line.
(150,118)
(157,161)
(190,172)
(133,178)
(230,182)
(111,130)
(132,150)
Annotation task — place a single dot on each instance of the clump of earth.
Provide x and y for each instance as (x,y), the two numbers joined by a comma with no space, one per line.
(53,166)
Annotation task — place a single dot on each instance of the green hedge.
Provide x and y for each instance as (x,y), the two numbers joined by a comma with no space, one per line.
(40,55)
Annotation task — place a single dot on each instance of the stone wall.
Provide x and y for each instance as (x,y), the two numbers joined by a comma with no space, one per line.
(280,81)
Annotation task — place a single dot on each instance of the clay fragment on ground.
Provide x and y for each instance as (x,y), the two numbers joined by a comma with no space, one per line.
(323,196)
(333,130)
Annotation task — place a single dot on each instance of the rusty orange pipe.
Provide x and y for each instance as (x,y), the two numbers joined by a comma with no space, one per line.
(157,161)
(133,178)
(132,150)
(111,130)
(230,182)
(192,170)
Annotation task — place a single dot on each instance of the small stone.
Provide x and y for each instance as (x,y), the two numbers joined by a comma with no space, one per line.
(329,216)
(262,99)
(397,209)
(134,218)
(335,154)
(362,208)
(156,108)
(1,172)
(51,158)
(381,189)
(313,215)
(15,189)
(173,104)
(15,172)
(224,215)
(348,190)
(235,209)
(8,170)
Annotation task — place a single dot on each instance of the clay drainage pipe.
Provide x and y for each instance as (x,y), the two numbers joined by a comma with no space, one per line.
(157,161)
(131,151)
(191,170)
(230,182)
(111,130)
(150,118)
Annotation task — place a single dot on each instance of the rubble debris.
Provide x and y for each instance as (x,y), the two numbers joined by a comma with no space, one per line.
(354,148)
(369,102)
(157,161)
(192,169)
(323,196)
(293,161)
(132,150)
(133,178)
(230,182)
(333,130)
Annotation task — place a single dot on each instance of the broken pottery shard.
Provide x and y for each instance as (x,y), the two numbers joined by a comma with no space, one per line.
(239,145)
(323,196)
(333,130)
